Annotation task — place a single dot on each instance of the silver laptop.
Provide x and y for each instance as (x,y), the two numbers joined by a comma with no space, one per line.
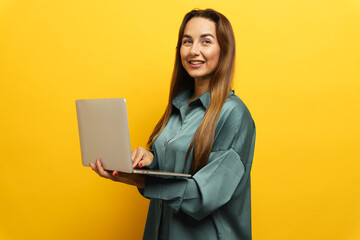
(104,134)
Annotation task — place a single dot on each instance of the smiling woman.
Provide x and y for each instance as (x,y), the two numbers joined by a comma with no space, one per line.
(207,131)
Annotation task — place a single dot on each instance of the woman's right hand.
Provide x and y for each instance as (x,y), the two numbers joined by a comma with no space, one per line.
(141,157)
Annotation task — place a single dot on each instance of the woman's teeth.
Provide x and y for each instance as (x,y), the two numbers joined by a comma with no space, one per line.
(196,62)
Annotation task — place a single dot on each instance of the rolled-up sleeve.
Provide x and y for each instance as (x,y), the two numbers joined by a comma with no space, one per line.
(209,189)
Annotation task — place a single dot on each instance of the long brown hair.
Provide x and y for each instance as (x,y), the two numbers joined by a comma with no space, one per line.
(220,85)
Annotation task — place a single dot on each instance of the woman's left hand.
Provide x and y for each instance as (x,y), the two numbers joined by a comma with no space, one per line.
(128,178)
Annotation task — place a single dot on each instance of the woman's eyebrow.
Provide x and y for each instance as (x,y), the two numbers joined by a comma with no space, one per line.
(186,36)
(207,35)
(201,36)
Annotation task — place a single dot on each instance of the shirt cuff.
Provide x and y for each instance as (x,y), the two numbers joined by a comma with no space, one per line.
(169,190)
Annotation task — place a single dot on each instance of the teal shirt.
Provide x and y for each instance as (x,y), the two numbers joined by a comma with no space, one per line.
(215,203)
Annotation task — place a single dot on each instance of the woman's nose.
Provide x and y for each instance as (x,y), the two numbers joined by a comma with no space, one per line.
(195,49)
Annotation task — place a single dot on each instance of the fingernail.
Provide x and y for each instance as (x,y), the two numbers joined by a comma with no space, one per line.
(115,173)
(96,160)
(140,164)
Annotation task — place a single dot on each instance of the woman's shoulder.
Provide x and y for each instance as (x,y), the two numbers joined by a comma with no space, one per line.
(234,106)
(234,121)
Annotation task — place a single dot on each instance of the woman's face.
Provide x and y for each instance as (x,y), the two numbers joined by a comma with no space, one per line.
(200,49)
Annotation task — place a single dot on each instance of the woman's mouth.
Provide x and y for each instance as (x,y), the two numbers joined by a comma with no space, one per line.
(196,63)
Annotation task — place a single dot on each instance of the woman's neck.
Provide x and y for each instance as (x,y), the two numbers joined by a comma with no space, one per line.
(200,87)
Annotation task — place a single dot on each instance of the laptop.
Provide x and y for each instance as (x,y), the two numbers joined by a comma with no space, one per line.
(104,134)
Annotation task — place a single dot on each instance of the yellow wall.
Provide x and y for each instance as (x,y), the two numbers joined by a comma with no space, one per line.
(298,71)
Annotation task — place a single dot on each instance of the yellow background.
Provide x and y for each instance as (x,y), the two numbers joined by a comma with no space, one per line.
(298,71)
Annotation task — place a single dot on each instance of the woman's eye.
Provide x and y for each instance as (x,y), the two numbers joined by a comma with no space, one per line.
(207,41)
(186,42)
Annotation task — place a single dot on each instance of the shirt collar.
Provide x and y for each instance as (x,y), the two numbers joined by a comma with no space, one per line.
(205,99)
(182,98)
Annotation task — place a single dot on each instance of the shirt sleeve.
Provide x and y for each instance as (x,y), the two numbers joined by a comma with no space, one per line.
(213,185)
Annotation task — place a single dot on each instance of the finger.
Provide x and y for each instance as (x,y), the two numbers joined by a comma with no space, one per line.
(139,155)
(133,154)
(146,160)
(99,165)
(94,167)
(101,171)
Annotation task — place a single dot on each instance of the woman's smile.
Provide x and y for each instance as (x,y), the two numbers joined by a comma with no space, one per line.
(196,63)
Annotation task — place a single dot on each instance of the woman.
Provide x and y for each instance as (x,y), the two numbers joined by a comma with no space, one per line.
(207,131)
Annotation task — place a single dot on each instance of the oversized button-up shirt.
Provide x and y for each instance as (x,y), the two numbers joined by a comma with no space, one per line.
(214,203)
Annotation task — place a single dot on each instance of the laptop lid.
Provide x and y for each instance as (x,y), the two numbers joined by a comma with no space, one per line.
(104,134)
